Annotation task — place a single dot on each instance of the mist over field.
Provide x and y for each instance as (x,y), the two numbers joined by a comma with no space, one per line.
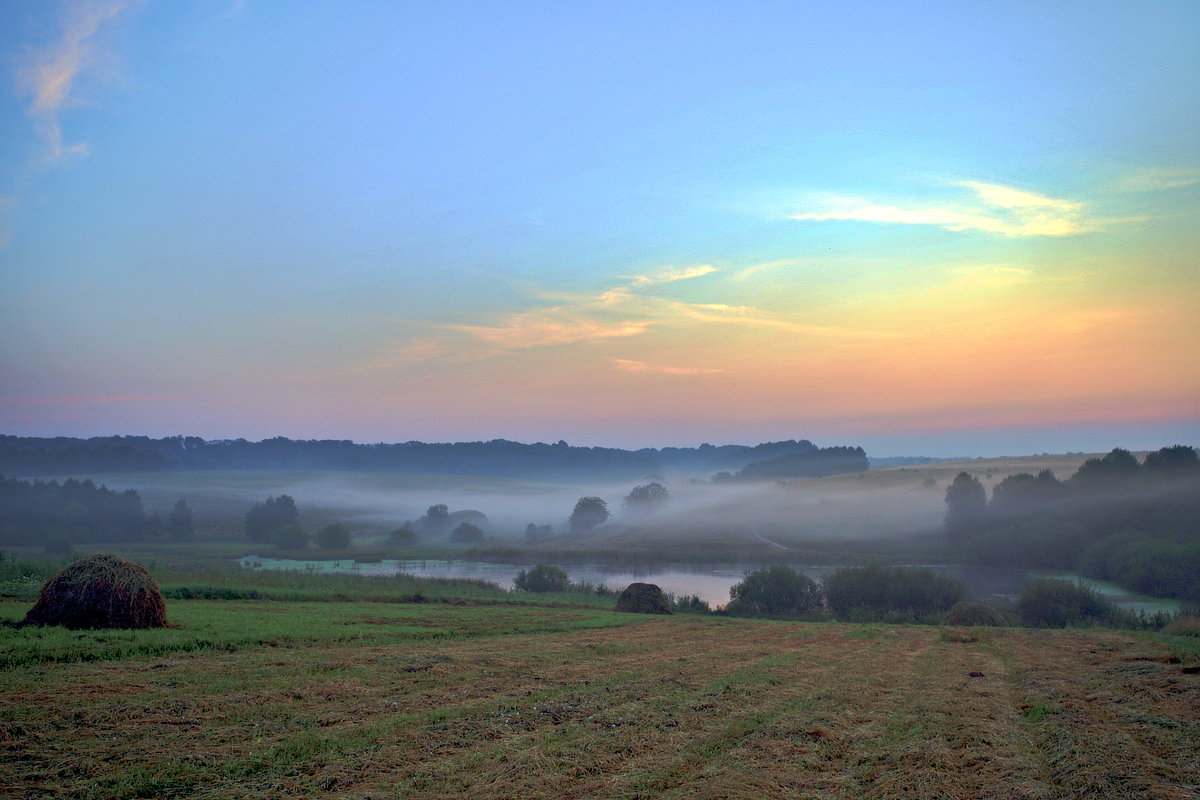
(599,399)
(877,503)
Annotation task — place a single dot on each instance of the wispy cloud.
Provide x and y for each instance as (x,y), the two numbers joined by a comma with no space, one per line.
(996,276)
(1159,178)
(624,311)
(754,269)
(50,75)
(672,274)
(641,366)
(998,209)
(553,327)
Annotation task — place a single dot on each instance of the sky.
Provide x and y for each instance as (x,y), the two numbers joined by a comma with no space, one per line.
(926,228)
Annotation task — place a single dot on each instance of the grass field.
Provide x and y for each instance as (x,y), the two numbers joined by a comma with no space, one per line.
(359,700)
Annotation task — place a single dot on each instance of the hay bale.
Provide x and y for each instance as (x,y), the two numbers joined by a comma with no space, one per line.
(643,598)
(100,591)
(967,612)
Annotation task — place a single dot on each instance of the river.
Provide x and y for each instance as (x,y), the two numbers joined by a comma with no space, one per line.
(710,583)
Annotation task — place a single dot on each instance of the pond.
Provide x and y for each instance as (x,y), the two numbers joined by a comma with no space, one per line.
(711,583)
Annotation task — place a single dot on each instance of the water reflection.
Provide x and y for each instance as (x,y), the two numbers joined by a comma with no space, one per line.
(710,583)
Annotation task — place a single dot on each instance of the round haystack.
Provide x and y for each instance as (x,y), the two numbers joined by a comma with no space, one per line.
(643,598)
(967,612)
(100,591)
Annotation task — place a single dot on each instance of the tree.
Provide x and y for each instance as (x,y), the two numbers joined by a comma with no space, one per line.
(466,533)
(542,578)
(777,590)
(645,498)
(436,520)
(966,504)
(1177,459)
(1023,495)
(179,523)
(589,512)
(274,512)
(334,536)
(1114,471)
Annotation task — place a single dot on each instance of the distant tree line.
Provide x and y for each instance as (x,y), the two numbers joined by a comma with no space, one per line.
(812,463)
(1117,519)
(30,456)
(79,512)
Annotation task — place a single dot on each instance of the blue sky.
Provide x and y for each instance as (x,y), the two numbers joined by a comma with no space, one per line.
(923,227)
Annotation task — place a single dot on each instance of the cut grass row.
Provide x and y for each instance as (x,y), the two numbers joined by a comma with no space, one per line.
(604,705)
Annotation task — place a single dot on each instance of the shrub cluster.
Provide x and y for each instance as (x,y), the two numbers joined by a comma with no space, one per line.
(776,590)
(860,594)
(891,594)
(542,578)
(1053,603)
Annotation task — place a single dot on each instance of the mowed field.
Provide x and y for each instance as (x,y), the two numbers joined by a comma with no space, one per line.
(385,700)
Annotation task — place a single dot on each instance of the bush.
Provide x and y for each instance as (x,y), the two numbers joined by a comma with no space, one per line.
(776,590)
(289,537)
(542,578)
(1053,603)
(689,604)
(334,536)
(891,594)
(967,612)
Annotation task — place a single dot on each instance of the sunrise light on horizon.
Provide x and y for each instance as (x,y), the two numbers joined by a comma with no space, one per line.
(925,228)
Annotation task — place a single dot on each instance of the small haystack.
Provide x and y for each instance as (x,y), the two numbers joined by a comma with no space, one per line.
(100,591)
(967,612)
(643,598)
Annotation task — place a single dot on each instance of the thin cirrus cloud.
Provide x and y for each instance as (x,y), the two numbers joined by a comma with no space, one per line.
(50,75)
(995,276)
(1153,179)
(620,312)
(997,209)
(672,274)
(629,365)
(551,327)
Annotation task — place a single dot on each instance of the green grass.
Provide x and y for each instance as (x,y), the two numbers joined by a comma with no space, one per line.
(218,625)
(24,579)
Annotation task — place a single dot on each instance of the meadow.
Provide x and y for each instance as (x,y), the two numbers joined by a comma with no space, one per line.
(274,699)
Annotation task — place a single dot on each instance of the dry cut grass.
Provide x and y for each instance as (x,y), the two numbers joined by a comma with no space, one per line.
(672,707)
